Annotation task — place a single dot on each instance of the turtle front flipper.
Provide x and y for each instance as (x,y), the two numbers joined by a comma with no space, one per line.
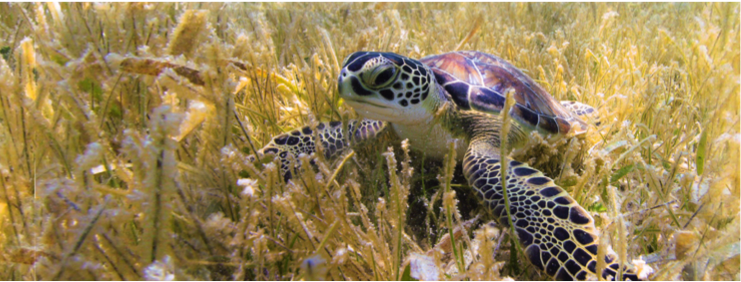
(557,235)
(583,111)
(335,139)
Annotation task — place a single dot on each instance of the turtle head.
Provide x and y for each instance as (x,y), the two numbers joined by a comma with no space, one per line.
(389,87)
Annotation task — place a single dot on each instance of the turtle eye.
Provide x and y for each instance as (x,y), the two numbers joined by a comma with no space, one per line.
(381,77)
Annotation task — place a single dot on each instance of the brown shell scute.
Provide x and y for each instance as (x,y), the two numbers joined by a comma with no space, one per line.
(478,81)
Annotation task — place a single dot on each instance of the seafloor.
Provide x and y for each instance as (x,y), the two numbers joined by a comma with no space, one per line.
(125,127)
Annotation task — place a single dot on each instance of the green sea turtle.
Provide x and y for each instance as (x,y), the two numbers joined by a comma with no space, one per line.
(458,96)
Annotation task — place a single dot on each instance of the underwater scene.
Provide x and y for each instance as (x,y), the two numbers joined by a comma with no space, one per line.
(370,141)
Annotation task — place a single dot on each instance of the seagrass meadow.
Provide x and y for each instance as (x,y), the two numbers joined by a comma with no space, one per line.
(125,131)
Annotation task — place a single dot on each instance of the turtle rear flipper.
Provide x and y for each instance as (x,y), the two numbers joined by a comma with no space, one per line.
(334,139)
(583,111)
(557,235)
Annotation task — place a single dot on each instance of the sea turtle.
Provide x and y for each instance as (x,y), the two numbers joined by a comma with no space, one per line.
(458,96)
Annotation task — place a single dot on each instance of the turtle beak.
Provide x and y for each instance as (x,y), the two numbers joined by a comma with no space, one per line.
(345,85)
(340,79)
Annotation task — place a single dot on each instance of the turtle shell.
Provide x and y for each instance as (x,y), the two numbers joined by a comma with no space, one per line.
(479,81)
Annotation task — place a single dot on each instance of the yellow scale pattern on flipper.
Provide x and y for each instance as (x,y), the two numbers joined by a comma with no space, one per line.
(557,235)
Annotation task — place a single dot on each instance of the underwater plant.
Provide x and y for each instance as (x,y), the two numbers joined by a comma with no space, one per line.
(125,131)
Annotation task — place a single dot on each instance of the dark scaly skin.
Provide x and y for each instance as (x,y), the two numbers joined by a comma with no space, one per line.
(557,235)
(334,138)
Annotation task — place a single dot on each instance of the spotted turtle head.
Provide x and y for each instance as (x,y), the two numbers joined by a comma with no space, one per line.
(387,86)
